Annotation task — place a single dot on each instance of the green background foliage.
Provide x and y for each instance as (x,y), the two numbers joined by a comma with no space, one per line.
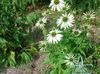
(16,43)
(84,4)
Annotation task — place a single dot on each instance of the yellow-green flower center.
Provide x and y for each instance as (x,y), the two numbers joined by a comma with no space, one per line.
(41,22)
(88,16)
(65,19)
(43,45)
(53,34)
(56,1)
(71,59)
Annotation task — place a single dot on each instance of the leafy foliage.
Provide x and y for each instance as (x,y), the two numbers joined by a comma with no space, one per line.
(14,37)
(16,31)
(84,4)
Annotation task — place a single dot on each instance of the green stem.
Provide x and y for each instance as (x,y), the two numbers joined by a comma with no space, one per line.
(44,33)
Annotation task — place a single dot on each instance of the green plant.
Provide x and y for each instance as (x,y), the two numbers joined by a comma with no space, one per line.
(16,42)
(68,41)
(84,4)
(22,4)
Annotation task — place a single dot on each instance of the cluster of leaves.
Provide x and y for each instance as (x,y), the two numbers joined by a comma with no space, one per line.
(16,41)
(84,4)
(22,4)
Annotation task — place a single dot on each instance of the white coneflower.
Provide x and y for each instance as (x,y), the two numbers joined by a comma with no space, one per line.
(42,45)
(65,21)
(57,5)
(54,36)
(89,15)
(41,23)
(71,60)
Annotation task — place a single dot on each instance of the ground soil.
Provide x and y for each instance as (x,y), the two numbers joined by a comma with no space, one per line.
(34,67)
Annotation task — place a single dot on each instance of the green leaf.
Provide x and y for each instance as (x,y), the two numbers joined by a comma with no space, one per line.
(2,42)
(11,59)
(26,57)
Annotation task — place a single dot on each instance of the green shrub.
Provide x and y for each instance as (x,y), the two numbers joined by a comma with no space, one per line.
(16,42)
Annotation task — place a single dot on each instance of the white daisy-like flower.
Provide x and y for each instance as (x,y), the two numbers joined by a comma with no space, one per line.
(71,60)
(54,36)
(41,23)
(57,5)
(65,21)
(89,15)
(42,45)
